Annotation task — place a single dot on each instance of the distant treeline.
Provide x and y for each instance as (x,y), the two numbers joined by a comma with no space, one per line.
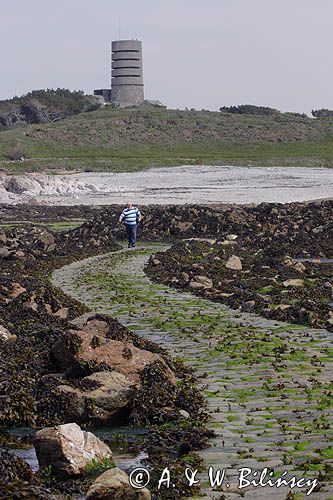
(251,109)
(322,113)
(42,106)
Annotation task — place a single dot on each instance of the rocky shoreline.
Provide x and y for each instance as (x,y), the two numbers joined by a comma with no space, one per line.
(60,364)
(275,260)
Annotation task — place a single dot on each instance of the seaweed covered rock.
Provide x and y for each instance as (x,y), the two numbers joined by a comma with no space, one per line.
(277,261)
(100,398)
(27,244)
(68,449)
(91,348)
(114,483)
(18,489)
(13,468)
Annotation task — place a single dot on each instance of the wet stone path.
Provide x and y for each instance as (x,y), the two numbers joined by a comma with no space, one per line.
(268,384)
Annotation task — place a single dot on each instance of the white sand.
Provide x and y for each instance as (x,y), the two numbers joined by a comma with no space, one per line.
(185,184)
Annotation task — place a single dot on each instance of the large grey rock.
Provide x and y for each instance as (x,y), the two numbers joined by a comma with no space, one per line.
(330,318)
(293,282)
(5,334)
(249,306)
(109,396)
(4,252)
(68,449)
(114,485)
(201,282)
(46,238)
(231,237)
(234,263)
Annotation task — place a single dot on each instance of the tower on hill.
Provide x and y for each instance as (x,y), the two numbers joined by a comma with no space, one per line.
(126,75)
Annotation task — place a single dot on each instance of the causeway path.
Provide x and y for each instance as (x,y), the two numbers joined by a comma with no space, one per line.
(268,384)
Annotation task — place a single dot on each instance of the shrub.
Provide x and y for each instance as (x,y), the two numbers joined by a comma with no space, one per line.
(16,152)
(249,109)
(322,113)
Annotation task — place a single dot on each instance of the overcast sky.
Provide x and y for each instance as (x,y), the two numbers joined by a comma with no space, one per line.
(197,53)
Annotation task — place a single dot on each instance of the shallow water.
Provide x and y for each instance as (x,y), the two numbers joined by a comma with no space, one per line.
(124,459)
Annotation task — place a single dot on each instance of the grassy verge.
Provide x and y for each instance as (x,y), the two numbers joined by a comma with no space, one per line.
(129,140)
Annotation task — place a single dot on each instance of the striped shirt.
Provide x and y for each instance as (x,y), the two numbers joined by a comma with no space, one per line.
(131,215)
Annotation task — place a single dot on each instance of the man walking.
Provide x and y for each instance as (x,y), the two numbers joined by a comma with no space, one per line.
(131,216)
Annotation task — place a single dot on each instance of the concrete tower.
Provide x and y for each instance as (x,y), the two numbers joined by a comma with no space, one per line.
(127,73)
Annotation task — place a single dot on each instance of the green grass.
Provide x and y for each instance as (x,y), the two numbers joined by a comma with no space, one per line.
(129,140)
(99,466)
(327,453)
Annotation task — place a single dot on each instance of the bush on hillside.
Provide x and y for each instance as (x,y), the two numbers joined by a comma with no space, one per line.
(16,152)
(42,106)
(322,113)
(249,109)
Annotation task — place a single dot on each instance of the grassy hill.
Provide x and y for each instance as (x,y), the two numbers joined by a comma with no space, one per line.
(121,140)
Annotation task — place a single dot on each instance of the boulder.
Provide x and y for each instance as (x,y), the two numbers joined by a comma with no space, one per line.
(228,243)
(201,282)
(184,226)
(5,335)
(300,267)
(185,414)
(288,261)
(248,306)
(185,276)
(90,346)
(107,396)
(234,263)
(282,307)
(62,313)
(4,252)
(330,318)
(46,238)
(293,282)
(19,254)
(114,484)
(68,449)
(16,290)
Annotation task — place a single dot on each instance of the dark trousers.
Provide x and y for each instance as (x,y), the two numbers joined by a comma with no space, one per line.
(131,234)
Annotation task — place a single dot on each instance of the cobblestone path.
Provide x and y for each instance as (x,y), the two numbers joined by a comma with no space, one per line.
(268,384)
